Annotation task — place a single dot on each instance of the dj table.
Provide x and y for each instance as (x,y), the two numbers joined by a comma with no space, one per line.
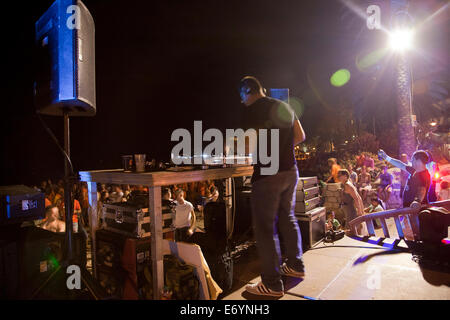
(154,181)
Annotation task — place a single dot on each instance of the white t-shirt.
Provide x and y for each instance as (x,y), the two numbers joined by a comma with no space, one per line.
(183,214)
(116,196)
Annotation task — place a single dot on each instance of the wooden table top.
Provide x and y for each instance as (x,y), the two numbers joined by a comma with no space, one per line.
(163,178)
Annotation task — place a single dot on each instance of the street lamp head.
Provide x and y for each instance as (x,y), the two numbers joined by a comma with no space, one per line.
(401,39)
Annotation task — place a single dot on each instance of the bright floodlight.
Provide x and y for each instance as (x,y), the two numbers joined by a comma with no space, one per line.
(400,40)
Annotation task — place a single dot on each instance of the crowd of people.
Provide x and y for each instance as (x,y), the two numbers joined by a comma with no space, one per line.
(54,219)
(188,199)
(368,188)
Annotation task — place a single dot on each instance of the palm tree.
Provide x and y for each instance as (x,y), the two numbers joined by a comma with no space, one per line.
(379,68)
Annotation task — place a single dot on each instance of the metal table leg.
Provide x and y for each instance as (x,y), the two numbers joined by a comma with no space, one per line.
(157,240)
(93,220)
(228,198)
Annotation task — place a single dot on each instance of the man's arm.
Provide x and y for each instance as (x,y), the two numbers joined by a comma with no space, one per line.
(395,162)
(299,133)
(193,221)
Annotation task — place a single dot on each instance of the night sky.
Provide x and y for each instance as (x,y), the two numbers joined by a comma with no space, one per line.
(160,65)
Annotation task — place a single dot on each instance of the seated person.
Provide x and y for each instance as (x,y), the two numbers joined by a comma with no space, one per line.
(368,162)
(52,222)
(384,190)
(375,206)
(332,222)
(353,175)
(364,181)
(360,161)
(184,221)
(212,193)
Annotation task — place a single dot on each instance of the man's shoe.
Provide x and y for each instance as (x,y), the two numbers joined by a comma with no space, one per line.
(261,290)
(289,272)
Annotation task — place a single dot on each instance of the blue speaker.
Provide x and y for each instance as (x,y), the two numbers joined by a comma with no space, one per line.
(65,60)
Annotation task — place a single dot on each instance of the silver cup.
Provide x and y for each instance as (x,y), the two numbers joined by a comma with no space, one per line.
(139,160)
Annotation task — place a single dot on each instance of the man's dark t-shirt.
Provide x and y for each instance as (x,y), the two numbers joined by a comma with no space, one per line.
(415,181)
(269,113)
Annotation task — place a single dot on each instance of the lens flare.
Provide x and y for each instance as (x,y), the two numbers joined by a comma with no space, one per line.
(298,106)
(340,78)
(370,59)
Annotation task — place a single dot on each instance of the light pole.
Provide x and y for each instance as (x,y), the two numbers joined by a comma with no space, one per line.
(400,41)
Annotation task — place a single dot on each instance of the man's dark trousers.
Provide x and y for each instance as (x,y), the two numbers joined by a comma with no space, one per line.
(273,203)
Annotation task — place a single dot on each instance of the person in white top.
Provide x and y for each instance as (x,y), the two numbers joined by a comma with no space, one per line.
(444,193)
(184,221)
(116,195)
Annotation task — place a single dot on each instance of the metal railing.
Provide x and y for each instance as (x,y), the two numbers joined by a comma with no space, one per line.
(411,214)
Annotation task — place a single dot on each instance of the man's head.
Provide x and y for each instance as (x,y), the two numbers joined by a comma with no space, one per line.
(167,194)
(419,160)
(179,194)
(374,201)
(343,175)
(332,161)
(404,158)
(363,169)
(330,215)
(250,90)
(52,212)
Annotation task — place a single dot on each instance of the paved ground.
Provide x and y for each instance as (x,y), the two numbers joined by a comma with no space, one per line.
(332,274)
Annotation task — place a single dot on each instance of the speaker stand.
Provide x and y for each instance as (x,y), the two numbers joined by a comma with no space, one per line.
(95,290)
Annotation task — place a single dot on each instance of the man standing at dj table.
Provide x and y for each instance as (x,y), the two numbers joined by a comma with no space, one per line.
(273,196)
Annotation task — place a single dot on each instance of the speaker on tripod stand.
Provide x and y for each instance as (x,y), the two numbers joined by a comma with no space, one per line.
(65,86)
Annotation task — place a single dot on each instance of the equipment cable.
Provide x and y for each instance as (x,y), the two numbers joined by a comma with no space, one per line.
(57,143)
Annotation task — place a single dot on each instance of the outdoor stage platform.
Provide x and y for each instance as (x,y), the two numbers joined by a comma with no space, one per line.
(333,273)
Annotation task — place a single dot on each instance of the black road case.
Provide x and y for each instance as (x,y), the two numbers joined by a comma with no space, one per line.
(312,226)
(127,220)
(130,220)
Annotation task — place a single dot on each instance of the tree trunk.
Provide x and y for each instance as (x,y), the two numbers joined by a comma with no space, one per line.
(406,135)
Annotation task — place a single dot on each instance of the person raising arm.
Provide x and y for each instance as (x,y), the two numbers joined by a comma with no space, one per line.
(395,162)
(418,183)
